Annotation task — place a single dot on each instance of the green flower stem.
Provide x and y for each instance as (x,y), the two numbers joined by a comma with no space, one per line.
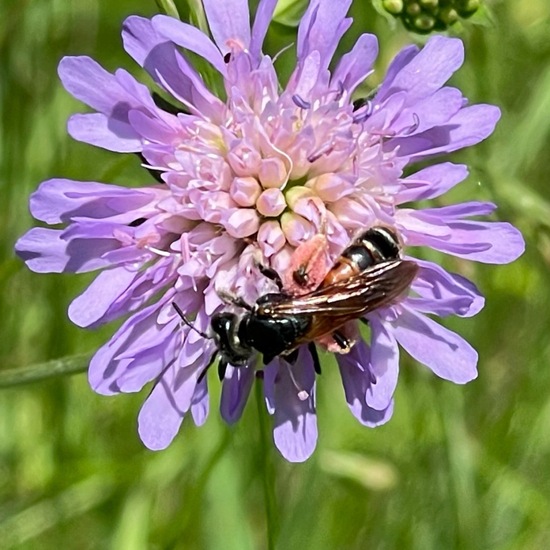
(57,367)
(268,474)
(168,7)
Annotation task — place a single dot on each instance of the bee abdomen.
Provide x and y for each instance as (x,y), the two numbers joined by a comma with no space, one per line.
(381,242)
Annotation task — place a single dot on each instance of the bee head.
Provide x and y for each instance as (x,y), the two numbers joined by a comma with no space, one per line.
(225,326)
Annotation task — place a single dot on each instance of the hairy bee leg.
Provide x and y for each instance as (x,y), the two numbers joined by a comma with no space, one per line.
(229,298)
(205,370)
(271,274)
(222,368)
(315,357)
(341,340)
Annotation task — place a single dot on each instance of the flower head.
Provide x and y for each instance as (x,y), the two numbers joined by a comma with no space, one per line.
(247,179)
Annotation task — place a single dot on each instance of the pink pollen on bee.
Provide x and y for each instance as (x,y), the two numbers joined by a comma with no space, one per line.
(308,266)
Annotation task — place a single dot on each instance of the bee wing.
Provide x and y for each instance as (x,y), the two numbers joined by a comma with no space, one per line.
(354,297)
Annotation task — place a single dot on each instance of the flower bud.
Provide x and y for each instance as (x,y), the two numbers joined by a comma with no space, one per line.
(272,173)
(430,5)
(395,7)
(413,9)
(467,8)
(271,203)
(297,193)
(424,23)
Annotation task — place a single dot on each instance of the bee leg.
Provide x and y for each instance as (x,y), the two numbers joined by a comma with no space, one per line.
(270,274)
(292,357)
(229,298)
(205,370)
(315,357)
(341,340)
(222,367)
(364,321)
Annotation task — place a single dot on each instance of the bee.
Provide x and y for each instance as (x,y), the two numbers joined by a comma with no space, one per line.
(369,274)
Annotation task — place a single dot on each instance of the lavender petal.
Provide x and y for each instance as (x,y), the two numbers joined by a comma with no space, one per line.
(295,421)
(61,200)
(441,350)
(431,182)
(358,381)
(102,131)
(190,38)
(262,19)
(321,29)
(229,21)
(426,72)
(235,391)
(200,403)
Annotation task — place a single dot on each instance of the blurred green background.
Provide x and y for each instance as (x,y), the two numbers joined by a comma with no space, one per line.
(457,467)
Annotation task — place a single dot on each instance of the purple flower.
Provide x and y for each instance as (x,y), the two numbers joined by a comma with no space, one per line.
(250,177)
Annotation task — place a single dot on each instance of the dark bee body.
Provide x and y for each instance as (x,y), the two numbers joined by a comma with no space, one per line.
(369,274)
(238,336)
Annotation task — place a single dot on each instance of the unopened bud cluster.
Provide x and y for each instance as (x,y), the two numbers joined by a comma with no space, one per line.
(424,16)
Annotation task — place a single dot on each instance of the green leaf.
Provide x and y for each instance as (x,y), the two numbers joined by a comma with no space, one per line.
(289,12)
(168,7)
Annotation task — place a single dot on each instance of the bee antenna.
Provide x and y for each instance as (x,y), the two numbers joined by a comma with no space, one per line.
(184,319)
(302,394)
